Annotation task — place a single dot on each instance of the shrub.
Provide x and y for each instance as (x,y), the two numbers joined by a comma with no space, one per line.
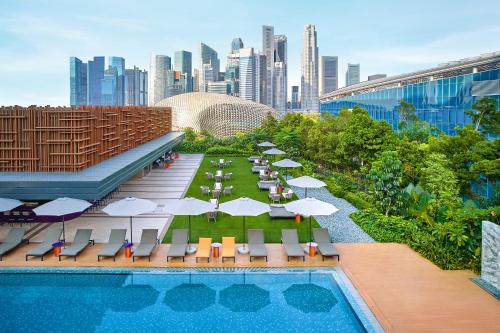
(226,151)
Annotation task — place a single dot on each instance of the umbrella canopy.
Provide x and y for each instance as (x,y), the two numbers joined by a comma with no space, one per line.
(9,204)
(306,182)
(266,144)
(310,298)
(189,206)
(244,298)
(244,207)
(274,151)
(287,163)
(130,206)
(310,207)
(65,208)
(190,297)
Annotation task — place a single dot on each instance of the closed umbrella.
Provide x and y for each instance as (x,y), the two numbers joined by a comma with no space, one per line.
(244,207)
(306,182)
(190,207)
(130,207)
(309,207)
(266,144)
(9,204)
(287,163)
(64,208)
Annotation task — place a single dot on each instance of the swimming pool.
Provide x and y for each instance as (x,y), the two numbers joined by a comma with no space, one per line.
(179,301)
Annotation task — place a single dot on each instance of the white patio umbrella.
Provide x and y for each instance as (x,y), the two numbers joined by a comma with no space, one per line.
(309,207)
(266,144)
(244,207)
(287,163)
(130,207)
(61,207)
(189,206)
(9,204)
(274,152)
(306,182)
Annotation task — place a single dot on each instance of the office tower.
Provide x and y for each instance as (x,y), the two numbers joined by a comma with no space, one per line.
(249,89)
(183,63)
(196,80)
(295,98)
(157,78)
(109,84)
(328,74)
(136,87)
(232,74)
(352,74)
(206,76)
(376,77)
(280,73)
(94,80)
(208,56)
(268,50)
(221,87)
(176,83)
(119,64)
(77,82)
(236,44)
(262,78)
(309,67)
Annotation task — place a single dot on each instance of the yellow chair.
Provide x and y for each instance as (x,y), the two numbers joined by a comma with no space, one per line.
(204,248)
(228,245)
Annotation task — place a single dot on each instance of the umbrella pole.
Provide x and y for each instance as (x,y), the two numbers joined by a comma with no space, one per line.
(306,193)
(64,232)
(131,229)
(310,230)
(189,237)
(244,236)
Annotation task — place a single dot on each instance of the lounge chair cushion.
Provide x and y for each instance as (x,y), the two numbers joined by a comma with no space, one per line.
(280,212)
(13,239)
(115,243)
(291,243)
(148,243)
(177,250)
(80,242)
(52,236)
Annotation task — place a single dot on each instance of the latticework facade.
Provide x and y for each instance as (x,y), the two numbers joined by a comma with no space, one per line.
(221,115)
(68,139)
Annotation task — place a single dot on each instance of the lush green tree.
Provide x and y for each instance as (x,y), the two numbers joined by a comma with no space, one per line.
(417,203)
(189,134)
(485,115)
(438,178)
(288,139)
(269,125)
(386,175)
(407,113)
(412,155)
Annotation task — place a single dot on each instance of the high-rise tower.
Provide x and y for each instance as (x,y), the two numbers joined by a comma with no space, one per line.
(268,50)
(309,68)
(157,78)
(328,74)
(352,75)
(183,63)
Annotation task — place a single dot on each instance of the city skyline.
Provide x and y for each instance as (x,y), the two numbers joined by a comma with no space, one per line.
(36,49)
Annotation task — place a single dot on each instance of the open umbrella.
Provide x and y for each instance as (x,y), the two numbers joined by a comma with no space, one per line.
(244,207)
(306,182)
(130,207)
(189,206)
(287,163)
(190,297)
(64,208)
(309,298)
(310,207)
(266,144)
(9,204)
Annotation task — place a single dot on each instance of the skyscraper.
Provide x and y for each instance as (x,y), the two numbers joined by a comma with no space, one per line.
(268,50)
(262,78)
(109,95)
(280,73)
(94,80)
(208,56)
(232,74)
(309,67)
(176,83)
(328,74)
(352,75)
(118,63)
(236,44)
(157,78)
(77,82)
(196,79)
(295,104)
(249,89)
(183,63)
(136,87)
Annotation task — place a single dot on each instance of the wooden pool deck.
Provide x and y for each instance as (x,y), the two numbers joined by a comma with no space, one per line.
(406,292)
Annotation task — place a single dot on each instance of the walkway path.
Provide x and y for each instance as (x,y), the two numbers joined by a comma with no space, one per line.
(341,227)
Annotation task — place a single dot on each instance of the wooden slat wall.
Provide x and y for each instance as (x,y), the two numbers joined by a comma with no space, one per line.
(68,139)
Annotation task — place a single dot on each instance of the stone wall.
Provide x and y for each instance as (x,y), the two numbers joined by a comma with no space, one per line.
(490,255)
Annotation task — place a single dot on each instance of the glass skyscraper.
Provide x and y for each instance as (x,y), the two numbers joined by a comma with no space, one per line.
(208,56)
(183,63)
(441,95)
(94,80)
(352,76)
(136,87)
(78,82)
(118,63)
(328,74)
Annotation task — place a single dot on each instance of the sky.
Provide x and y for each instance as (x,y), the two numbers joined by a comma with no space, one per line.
(37,37)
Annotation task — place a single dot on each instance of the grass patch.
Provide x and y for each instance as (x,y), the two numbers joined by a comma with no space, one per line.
(245,185)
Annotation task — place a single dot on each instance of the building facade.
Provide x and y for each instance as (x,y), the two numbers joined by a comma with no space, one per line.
(77,82)
(441,95)
(221,87)
(136,87)
(94,80)
(309,69)
(280,75)
(352,76)
(183,63)
(328,74)
(249,69)
(117,65)
(157,78)
(295,103)
(208,56)
(268,50)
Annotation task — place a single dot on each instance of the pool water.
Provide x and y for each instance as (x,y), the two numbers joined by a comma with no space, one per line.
(174,302)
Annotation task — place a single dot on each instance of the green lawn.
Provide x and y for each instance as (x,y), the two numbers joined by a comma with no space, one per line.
(245,185)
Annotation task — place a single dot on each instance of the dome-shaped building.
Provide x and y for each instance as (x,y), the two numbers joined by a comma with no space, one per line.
(221,115)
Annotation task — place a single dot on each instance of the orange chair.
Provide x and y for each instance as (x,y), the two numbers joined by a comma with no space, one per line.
(228,246)
(204,248)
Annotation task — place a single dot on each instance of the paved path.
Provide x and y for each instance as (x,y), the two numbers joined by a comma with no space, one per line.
(341,227)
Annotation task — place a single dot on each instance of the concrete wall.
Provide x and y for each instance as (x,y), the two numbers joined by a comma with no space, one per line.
(490,254)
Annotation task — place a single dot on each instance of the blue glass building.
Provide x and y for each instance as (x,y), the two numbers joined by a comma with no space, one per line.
(78,82)
(95,76)
(118,65)
(440,95)
(109,95)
